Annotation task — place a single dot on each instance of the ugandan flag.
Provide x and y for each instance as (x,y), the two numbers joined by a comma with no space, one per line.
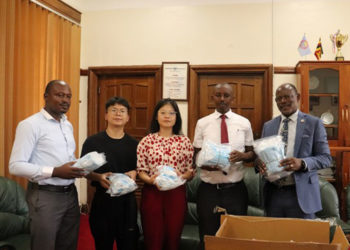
(319,51)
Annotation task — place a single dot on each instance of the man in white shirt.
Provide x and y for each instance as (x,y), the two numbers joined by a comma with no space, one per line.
(223,189)
(43,152)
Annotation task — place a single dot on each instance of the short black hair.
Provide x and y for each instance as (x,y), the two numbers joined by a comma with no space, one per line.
(178,123)
(51,83)
(117,100)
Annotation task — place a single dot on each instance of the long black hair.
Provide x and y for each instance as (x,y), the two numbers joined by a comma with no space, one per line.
(154,122)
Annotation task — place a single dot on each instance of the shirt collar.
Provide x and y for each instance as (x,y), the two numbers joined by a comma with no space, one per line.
(228,114)
(293,117)
(50,117)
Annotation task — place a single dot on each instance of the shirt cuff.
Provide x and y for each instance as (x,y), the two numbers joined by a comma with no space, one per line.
(46,172)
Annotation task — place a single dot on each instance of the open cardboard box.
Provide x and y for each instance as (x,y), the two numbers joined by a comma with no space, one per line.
(260,233)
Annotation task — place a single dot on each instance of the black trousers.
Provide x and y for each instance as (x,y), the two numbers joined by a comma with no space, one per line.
(114,219)
(234,198)
(283,202)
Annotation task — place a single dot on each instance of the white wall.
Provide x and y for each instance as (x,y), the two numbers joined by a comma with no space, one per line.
(241,33)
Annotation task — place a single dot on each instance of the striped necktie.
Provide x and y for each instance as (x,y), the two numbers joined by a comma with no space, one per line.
(284,134)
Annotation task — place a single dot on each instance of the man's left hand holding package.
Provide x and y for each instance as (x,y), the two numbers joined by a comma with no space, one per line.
(91,161)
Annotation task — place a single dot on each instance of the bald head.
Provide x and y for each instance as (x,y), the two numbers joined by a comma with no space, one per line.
(224,85)
(52,83)
(288,86)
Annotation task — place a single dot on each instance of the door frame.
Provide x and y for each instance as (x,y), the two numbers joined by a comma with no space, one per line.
(265,70)
(95,73)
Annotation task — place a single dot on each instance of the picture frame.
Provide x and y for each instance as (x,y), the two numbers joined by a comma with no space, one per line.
(175,77)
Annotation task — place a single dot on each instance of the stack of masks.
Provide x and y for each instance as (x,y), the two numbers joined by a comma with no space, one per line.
(91,161)
(213,154)
(121,184)
(168,178)
(271,151)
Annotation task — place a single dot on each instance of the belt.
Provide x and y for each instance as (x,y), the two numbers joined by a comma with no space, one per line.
(53,188)
(283,187)
(226,185)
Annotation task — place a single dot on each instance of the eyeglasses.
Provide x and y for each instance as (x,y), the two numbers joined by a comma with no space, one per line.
(169,113)
(120,111)
(286,97)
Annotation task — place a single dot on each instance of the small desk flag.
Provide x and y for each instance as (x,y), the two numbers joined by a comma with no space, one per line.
(304,48)
(319,51)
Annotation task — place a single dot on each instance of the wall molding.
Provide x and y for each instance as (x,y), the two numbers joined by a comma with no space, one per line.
(284,70)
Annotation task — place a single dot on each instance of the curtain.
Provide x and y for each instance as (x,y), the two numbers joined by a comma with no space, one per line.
(36,46)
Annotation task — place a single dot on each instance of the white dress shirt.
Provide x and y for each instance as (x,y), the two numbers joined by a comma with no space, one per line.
(240,135)
(41,144)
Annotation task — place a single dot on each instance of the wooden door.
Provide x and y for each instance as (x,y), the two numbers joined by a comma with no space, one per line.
(247,97)
(139,91)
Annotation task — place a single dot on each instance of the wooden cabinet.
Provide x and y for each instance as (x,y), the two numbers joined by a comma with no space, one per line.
(325,93)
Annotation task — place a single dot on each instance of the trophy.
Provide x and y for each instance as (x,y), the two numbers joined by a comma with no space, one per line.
(338,41)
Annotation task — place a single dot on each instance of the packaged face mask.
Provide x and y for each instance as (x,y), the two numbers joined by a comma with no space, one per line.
(91,161)
(121,184)
(167,178)
(271,151)
(213,154)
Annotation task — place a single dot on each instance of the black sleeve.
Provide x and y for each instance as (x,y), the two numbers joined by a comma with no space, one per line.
(88,147)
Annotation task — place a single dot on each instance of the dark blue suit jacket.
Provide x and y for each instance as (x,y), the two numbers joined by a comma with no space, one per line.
(311,145)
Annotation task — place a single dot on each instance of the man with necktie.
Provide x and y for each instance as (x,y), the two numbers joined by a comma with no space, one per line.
(222,189)
(306,147)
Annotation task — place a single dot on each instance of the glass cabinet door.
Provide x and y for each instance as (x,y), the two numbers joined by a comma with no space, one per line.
(324,98)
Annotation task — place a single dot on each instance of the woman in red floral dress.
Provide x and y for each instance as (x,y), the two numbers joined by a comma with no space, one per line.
(163,212)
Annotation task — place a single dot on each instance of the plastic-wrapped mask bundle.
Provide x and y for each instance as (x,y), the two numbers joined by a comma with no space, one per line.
(213,154)
(121,184)
(167,178)
(271,151)
(91,161)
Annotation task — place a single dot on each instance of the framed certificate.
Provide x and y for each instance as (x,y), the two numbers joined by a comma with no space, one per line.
(175,80)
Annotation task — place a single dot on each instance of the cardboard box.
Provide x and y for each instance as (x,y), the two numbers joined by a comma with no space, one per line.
(260,233)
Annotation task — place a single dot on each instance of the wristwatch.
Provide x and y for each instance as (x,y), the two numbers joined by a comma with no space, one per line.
(303,166)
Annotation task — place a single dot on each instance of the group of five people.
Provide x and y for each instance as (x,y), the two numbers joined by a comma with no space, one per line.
(43,152)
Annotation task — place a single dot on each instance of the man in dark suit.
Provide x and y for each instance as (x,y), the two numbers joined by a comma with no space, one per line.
(297,195)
